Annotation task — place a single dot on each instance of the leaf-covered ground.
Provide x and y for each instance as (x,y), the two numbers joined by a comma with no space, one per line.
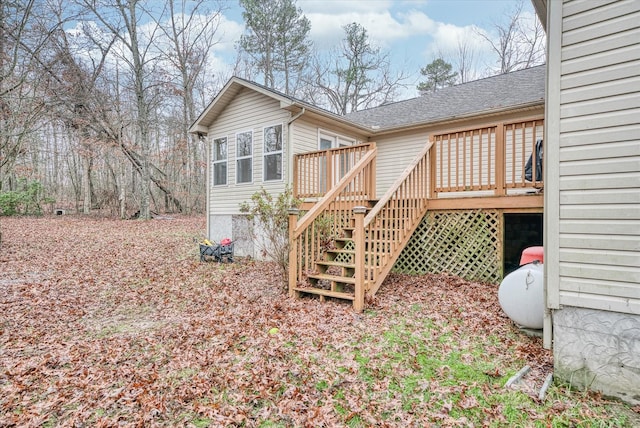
(118,323)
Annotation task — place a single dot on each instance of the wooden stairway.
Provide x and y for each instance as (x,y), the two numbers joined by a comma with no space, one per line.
(350,258)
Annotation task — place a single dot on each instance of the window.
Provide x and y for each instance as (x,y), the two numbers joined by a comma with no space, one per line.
(244,158)
(219,160)
(341,164)
(329,140)
(273,153)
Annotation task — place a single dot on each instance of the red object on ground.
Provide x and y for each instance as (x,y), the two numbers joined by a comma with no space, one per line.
(225,241)
(532,254)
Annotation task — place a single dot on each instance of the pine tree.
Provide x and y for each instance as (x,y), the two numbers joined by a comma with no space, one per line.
(439,75)
(276,39)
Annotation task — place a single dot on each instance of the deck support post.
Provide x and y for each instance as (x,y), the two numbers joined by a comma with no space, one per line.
(500,164)
(293,252)
(358,301)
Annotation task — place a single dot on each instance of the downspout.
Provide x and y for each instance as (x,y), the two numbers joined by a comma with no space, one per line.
(290,144)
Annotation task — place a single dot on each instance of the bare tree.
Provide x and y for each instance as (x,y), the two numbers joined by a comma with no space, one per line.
(357,77)
(121,19)
(464,60)
(25,31)
(190,33)
(518,45)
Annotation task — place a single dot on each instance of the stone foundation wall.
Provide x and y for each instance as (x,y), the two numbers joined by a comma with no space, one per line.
(598,350)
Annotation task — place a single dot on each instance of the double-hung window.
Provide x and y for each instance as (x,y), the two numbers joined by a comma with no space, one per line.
(244,157)
(219,161)
(272,153)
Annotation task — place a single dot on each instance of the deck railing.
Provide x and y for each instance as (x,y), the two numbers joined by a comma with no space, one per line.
(389,225)
(520,140)
(315,173)
(489,161)
(325,221)
(490,158)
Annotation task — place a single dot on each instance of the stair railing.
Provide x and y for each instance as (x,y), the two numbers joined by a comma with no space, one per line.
(313,232)
(389,225)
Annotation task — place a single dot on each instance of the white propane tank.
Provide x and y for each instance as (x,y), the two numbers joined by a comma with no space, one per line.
(521,295)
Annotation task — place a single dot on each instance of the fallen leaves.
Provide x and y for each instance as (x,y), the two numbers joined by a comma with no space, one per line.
(106,322)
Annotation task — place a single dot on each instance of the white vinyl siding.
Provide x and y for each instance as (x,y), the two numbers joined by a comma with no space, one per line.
(305,135)
(247,111)
(599,156)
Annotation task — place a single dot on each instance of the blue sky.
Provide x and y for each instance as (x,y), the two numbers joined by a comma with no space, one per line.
(413,31)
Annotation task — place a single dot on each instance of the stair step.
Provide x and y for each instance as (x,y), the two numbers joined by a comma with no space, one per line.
(326,293)
(341,242)
(333,278)
(340,251)
(334,263)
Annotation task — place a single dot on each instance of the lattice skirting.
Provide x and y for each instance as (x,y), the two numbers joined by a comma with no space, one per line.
(463,243)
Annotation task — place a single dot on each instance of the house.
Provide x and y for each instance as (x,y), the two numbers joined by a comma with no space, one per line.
(482,134)
(592,193)
(463,150)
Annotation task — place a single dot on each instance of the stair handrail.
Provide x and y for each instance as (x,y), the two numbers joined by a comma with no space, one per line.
(330,196)
(394,187)
(378,272)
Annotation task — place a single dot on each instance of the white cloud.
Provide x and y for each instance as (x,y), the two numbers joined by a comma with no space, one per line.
(382,26)
(344,6)
(229,32)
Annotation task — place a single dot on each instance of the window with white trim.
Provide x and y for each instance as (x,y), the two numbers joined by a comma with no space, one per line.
(219,161)
(272,153)
(329,140)
(341,164)
(244,157)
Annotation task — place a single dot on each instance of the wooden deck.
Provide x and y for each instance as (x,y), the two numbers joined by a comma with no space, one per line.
(348,240)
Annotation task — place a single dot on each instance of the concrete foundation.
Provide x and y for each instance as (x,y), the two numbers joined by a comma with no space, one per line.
(235,227)
(599,350)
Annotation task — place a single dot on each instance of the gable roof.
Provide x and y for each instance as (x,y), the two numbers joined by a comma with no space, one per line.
(518,89)
(496,93)
(236,84)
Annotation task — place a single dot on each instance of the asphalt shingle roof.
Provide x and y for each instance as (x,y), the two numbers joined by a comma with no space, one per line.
(492,93)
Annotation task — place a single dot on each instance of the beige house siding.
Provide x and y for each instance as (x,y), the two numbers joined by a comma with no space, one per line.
(394,154)
(599,156)
(306,131)
(263,111)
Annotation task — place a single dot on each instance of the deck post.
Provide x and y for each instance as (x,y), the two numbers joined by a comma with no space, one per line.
(432,169)
(358,301)
(293,252)
(500,164)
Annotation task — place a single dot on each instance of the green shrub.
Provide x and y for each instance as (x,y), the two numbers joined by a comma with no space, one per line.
(27,201)
(271,214)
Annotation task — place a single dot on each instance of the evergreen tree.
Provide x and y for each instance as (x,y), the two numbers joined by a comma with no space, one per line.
(439,74)
(276,39)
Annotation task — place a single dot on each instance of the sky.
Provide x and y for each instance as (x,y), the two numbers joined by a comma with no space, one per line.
(412,31)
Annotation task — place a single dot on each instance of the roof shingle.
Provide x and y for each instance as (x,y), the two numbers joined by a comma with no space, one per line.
(508,90)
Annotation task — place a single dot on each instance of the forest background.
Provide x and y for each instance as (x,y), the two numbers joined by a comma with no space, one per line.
(97,96)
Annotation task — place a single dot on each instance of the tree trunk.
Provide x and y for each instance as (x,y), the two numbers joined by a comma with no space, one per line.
(86,183)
